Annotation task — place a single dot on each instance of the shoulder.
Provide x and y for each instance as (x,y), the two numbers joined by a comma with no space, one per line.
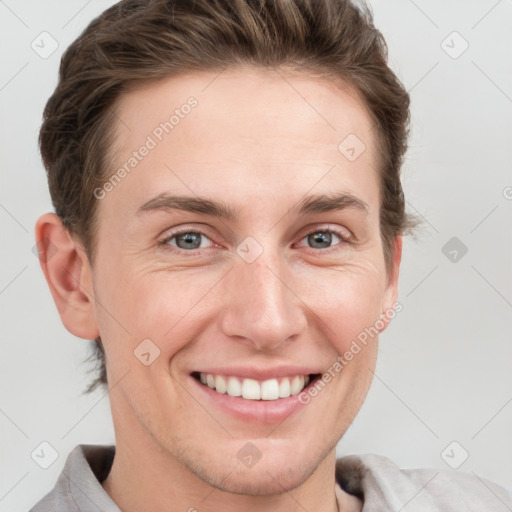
(379,481)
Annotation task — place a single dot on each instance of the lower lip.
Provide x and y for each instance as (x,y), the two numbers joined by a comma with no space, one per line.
(261,411)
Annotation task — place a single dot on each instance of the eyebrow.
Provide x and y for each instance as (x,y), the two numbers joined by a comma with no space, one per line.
(309,205)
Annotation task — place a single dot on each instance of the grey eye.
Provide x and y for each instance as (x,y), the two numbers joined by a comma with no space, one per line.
(320,239)
(189,240)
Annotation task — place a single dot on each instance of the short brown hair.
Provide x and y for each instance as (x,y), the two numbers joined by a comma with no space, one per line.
(136,41)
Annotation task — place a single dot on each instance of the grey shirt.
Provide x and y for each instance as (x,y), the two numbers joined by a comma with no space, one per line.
(375,479)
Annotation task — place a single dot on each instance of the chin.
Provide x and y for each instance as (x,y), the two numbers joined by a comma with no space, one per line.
(262,481)
(278,471)
(263,486)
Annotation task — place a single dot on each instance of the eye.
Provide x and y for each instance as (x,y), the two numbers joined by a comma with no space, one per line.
(325,238)
(186,240)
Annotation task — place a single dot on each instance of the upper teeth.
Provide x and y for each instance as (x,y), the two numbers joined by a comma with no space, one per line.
(251,389)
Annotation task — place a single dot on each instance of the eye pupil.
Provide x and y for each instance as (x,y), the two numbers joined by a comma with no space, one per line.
(323,238)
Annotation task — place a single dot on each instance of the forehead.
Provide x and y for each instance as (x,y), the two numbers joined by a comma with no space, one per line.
(247,102)
(254,130)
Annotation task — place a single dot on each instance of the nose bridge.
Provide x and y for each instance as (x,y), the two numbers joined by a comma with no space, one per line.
(260,304)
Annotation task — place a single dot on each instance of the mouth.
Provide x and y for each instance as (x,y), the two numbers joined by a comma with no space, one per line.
(256,390)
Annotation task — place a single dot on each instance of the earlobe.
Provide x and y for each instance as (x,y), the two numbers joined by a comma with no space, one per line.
(67,271)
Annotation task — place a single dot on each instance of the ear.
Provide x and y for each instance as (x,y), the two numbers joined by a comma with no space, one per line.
(68,274)
(389,302)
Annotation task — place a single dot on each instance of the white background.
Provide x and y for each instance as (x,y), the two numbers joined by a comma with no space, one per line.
(444,372)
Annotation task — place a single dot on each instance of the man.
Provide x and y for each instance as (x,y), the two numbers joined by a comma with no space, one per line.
(229,221)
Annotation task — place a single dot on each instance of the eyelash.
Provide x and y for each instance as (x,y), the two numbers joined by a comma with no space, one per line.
(343,237)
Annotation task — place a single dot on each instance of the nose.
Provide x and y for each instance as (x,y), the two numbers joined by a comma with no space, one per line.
(261,305)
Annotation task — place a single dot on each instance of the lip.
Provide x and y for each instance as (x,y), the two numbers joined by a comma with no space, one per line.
(266,412)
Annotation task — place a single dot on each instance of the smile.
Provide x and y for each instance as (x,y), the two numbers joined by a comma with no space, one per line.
(251,389)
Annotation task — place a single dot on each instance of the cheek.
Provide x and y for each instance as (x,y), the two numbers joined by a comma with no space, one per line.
(164,301)
(346,301)
(165,307)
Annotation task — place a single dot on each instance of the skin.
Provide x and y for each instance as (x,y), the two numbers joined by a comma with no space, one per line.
(257,145)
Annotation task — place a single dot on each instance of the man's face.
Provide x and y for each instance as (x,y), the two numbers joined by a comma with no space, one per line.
(272,292)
